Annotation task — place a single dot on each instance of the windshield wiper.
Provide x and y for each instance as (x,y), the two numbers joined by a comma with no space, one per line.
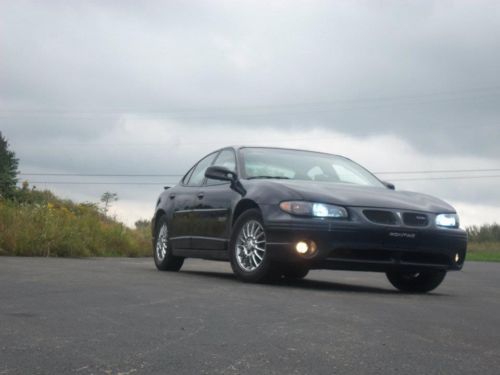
(277,177)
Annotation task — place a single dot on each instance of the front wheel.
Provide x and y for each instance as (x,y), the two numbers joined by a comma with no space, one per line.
(249,258)
(416,282)
(162,251)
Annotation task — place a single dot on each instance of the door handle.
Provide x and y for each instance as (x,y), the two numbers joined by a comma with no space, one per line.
(200,195)
(172,196)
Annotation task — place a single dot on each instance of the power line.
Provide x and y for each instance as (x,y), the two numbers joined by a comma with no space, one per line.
(164,182)
(445,178)
(100,175)
(98,183)
(180,175)
(441,171)
(492,91)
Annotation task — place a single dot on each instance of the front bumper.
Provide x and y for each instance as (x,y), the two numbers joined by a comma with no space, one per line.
(358,244)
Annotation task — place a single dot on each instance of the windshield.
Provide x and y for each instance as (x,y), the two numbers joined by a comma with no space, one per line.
(304,165)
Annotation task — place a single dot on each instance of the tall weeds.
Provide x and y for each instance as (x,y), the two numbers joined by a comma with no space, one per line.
(40,224)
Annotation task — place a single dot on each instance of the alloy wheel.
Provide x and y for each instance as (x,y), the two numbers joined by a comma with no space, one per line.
(162,243)
(251,246)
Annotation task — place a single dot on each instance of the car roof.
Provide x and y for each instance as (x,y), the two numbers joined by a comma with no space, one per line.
(238,147)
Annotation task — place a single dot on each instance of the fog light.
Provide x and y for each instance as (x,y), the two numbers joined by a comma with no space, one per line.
(457,258)
(307,249)
(302,247)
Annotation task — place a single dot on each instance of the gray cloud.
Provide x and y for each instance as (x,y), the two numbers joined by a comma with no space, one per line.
(357,67)
(426,72)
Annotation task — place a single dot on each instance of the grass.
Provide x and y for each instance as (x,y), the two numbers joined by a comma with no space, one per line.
(484,251)
(484,243)
(486,256)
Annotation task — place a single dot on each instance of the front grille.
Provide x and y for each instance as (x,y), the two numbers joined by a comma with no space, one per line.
(380,217)
(415,220)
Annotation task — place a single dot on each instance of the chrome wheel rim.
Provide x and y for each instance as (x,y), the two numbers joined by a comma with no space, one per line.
(251,246)
(162,243)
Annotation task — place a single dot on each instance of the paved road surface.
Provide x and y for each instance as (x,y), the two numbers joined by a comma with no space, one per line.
(111,316)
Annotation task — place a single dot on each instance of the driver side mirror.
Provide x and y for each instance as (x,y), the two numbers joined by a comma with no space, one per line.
(224,174)
(388,185)
(220,173)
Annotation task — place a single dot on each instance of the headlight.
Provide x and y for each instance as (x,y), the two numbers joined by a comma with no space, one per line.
(301,208)
(447,220)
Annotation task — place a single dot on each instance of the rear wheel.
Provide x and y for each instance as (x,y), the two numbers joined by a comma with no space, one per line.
(416,282)
(162,252)
(249,259)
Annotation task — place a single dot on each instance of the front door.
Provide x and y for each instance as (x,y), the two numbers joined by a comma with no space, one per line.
(212,210)
(185,199)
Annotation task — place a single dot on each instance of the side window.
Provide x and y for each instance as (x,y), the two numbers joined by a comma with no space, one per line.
(187,176)
(198,174)
(225,159)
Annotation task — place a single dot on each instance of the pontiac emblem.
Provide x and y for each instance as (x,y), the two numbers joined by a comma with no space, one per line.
(402,235)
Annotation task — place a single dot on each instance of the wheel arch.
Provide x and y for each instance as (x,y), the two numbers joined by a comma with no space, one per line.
(159,214)
(242,206)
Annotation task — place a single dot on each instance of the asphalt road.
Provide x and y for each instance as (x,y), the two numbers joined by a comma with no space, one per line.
(111,316)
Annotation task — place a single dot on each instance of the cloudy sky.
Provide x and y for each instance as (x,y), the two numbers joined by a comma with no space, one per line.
(126,88)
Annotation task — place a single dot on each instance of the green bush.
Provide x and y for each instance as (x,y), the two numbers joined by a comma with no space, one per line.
(484,233)
(484,242)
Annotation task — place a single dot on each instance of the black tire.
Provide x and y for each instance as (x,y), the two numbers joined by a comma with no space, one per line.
(266,271)
(295,271)
(167,262)
(416,282)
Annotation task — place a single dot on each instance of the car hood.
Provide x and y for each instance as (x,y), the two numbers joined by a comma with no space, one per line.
(359,196)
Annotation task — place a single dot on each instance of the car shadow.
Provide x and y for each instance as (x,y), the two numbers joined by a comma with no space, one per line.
(306,284)
(311,284)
